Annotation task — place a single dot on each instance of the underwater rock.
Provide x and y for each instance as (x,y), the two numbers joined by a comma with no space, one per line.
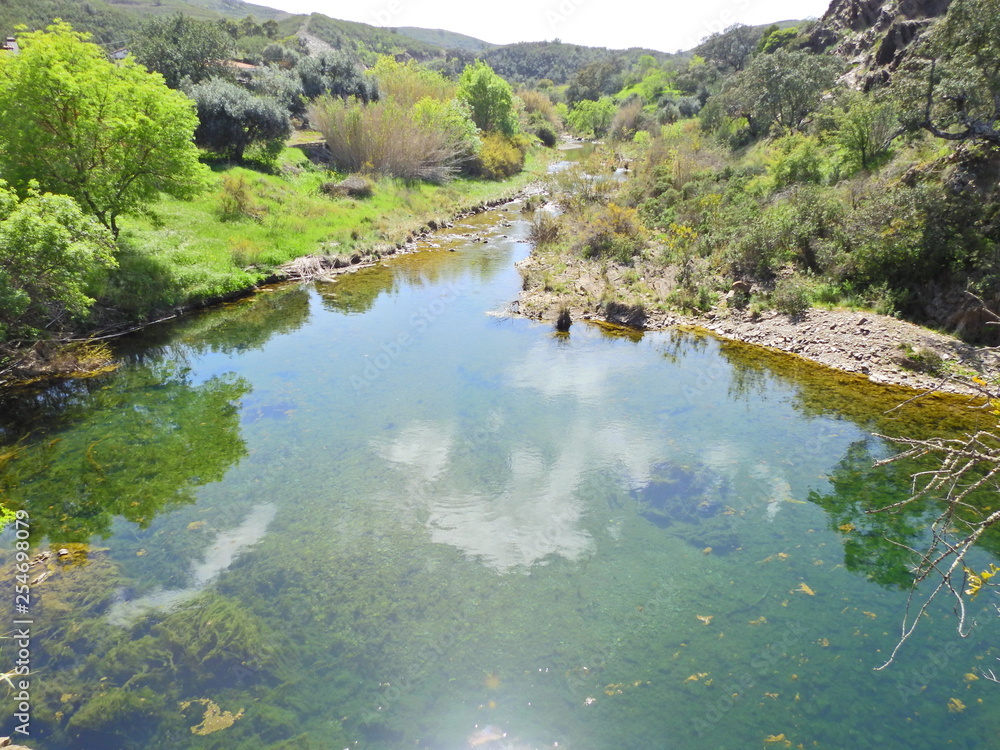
(694,497)
(683,494)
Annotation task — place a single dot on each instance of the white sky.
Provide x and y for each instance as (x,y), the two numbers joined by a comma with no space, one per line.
(667,25)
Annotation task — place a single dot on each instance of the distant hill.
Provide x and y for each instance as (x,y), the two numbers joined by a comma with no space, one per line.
(525,62)
(445,39)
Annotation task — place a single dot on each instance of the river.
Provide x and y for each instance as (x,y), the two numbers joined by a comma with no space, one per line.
(381,512)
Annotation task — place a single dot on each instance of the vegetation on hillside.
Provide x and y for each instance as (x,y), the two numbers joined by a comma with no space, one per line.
(110,212)
(797,187)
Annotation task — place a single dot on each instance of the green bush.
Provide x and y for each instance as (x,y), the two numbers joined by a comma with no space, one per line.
(547,135)
(500,157)
(429,141)
(614,232)
(791,295)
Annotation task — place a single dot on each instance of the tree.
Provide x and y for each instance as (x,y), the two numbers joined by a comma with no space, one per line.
(865,128)
(732,48)
(597,79)
(780,88)
(950,84)
(179,47)
(112,136)
(490,99)
(336,74)
(279,84)
(592,118)
(231,119)
(49,251)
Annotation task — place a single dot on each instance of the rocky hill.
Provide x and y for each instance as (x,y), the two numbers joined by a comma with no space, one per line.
(873,34)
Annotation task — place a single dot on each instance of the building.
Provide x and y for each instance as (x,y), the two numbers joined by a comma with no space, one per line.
(10,45)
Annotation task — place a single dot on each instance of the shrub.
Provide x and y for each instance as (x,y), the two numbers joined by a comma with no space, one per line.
(544,228)
(500,157)
(614,232)
(547,135)
(236,200)
(791,295)
(427,142)
(353,186)
(628,121)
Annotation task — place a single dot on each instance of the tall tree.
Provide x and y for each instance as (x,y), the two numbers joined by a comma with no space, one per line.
(780,88)
(179,47)
(732,48)
(112,136)
(490,98)
(950,84)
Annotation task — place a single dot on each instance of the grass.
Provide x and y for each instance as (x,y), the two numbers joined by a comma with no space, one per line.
(187,252)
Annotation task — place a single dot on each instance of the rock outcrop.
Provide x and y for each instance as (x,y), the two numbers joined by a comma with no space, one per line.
(873,34)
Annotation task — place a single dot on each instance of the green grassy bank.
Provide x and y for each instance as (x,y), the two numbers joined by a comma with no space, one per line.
(238,232)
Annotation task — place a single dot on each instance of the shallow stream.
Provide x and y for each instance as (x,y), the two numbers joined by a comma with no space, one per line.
(381,513)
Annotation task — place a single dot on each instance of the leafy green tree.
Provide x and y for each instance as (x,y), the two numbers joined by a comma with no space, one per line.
(231,119)
(950,84)
(591,118)
(179,47)
(49,251)
(279,84)
(112,136)
(732,48)
(599,78)
(865,128)
(336,74)
(778,39)
(781,88)
(490,99)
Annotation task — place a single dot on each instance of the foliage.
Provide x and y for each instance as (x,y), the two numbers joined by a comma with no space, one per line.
(613,232)
(49,251)
(780,89)
(791,295)
(231,119)
(179,47)
(500,157)
(558,62)
(630,120)
(731,48)
(865,128)
(283,86)
(335,74)
(409,82)
(490,99)
(429,141)
(592,119)
(544,228)
(950,83)
(112,136)
(600,78)
(774,39)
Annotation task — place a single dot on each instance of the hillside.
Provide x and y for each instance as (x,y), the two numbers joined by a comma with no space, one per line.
(445,39)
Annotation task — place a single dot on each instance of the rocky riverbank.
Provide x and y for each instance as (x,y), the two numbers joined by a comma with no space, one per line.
(883,349)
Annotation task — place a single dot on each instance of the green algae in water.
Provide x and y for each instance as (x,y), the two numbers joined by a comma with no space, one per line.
(460,541)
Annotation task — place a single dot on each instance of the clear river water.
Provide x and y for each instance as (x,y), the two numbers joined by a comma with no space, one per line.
(382,513)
